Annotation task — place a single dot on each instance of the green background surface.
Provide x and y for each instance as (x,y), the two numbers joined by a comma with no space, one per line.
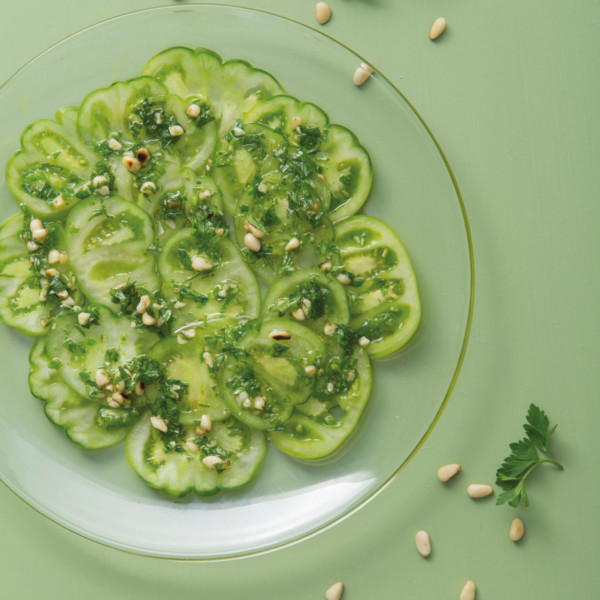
(511,93)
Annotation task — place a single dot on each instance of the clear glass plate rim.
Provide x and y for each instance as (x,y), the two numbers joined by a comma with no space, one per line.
(190,8)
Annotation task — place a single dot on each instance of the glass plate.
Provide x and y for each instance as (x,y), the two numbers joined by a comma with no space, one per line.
(95,493)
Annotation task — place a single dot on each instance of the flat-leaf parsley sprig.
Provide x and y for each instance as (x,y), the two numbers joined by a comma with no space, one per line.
(525,457)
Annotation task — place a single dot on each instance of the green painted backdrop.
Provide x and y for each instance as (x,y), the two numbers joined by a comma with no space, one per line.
(511,93)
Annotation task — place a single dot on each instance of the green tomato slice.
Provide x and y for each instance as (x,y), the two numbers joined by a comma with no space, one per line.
(188,357)
(222,284)
(310,296)
(51,171)
(85,422)
(105,344)
(34,290)
(268,372)
(108,239)
(238,449)
(386,308)
(322,424)
(233,87)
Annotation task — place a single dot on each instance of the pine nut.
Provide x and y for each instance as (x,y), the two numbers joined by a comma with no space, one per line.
(139,388)
(335,591)
(118,398)
(438,27)
(255,231)
(325,265)
(99,180)
(208,359)
(148,187)
(343,279)
(238,132)
(143,304)
(259,403)
(191,447)
(329,329)
(211,461)
(131,163)
(206,422)
(292,244)
(262,187)
(32,246)
(148,320)
(423,543)
(143,155)
(53,257)
(194,111)
(35,224)
(243,397)
(468,591)
(479,490)
(104,190)
(102,378)
(83,318)
(58,202)
(159,423)
(68,301)
(201,263)
(279,334)
(219,231)
(176,130)
(310,370)
(447,472)
(299,314)
(360,76)
(114,145)
(204,195)
(39,234)
(364,341)
(252,242)
(63,259)
(323,12)
(517,529)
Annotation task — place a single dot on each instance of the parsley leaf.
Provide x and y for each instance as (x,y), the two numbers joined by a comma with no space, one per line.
(525,457)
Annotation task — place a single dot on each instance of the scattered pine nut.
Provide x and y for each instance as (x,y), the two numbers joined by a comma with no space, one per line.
(206,422)
(63,259)
(211,461)
(447,472)
(104,190)
(208,359)
(39,234)
(114,144)
(292,244)
(68,301)
(35,224)
(201,263)
(148,320)
(102,378)
(53,257)
(51,273)
(143,304)
(335,591)
(148,187)
(32,246)
(517,529)
(252,242)
(329,329)
(99,180)
(193,111)
(58,202)
(438,27)
(323,12)
(479,490)
(253,229)
(139,388)
(299,314)
(83,318)
(262,187)
(468,591)
(131,163)
(176,130)
(423,543)
(159,423)
(310,369)
(280,334)
(364,341)
(238,132)
(343,279)
(191,447)
(259,403)
(361,75)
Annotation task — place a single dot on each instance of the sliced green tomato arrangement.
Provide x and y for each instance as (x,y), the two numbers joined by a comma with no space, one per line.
(147,214)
